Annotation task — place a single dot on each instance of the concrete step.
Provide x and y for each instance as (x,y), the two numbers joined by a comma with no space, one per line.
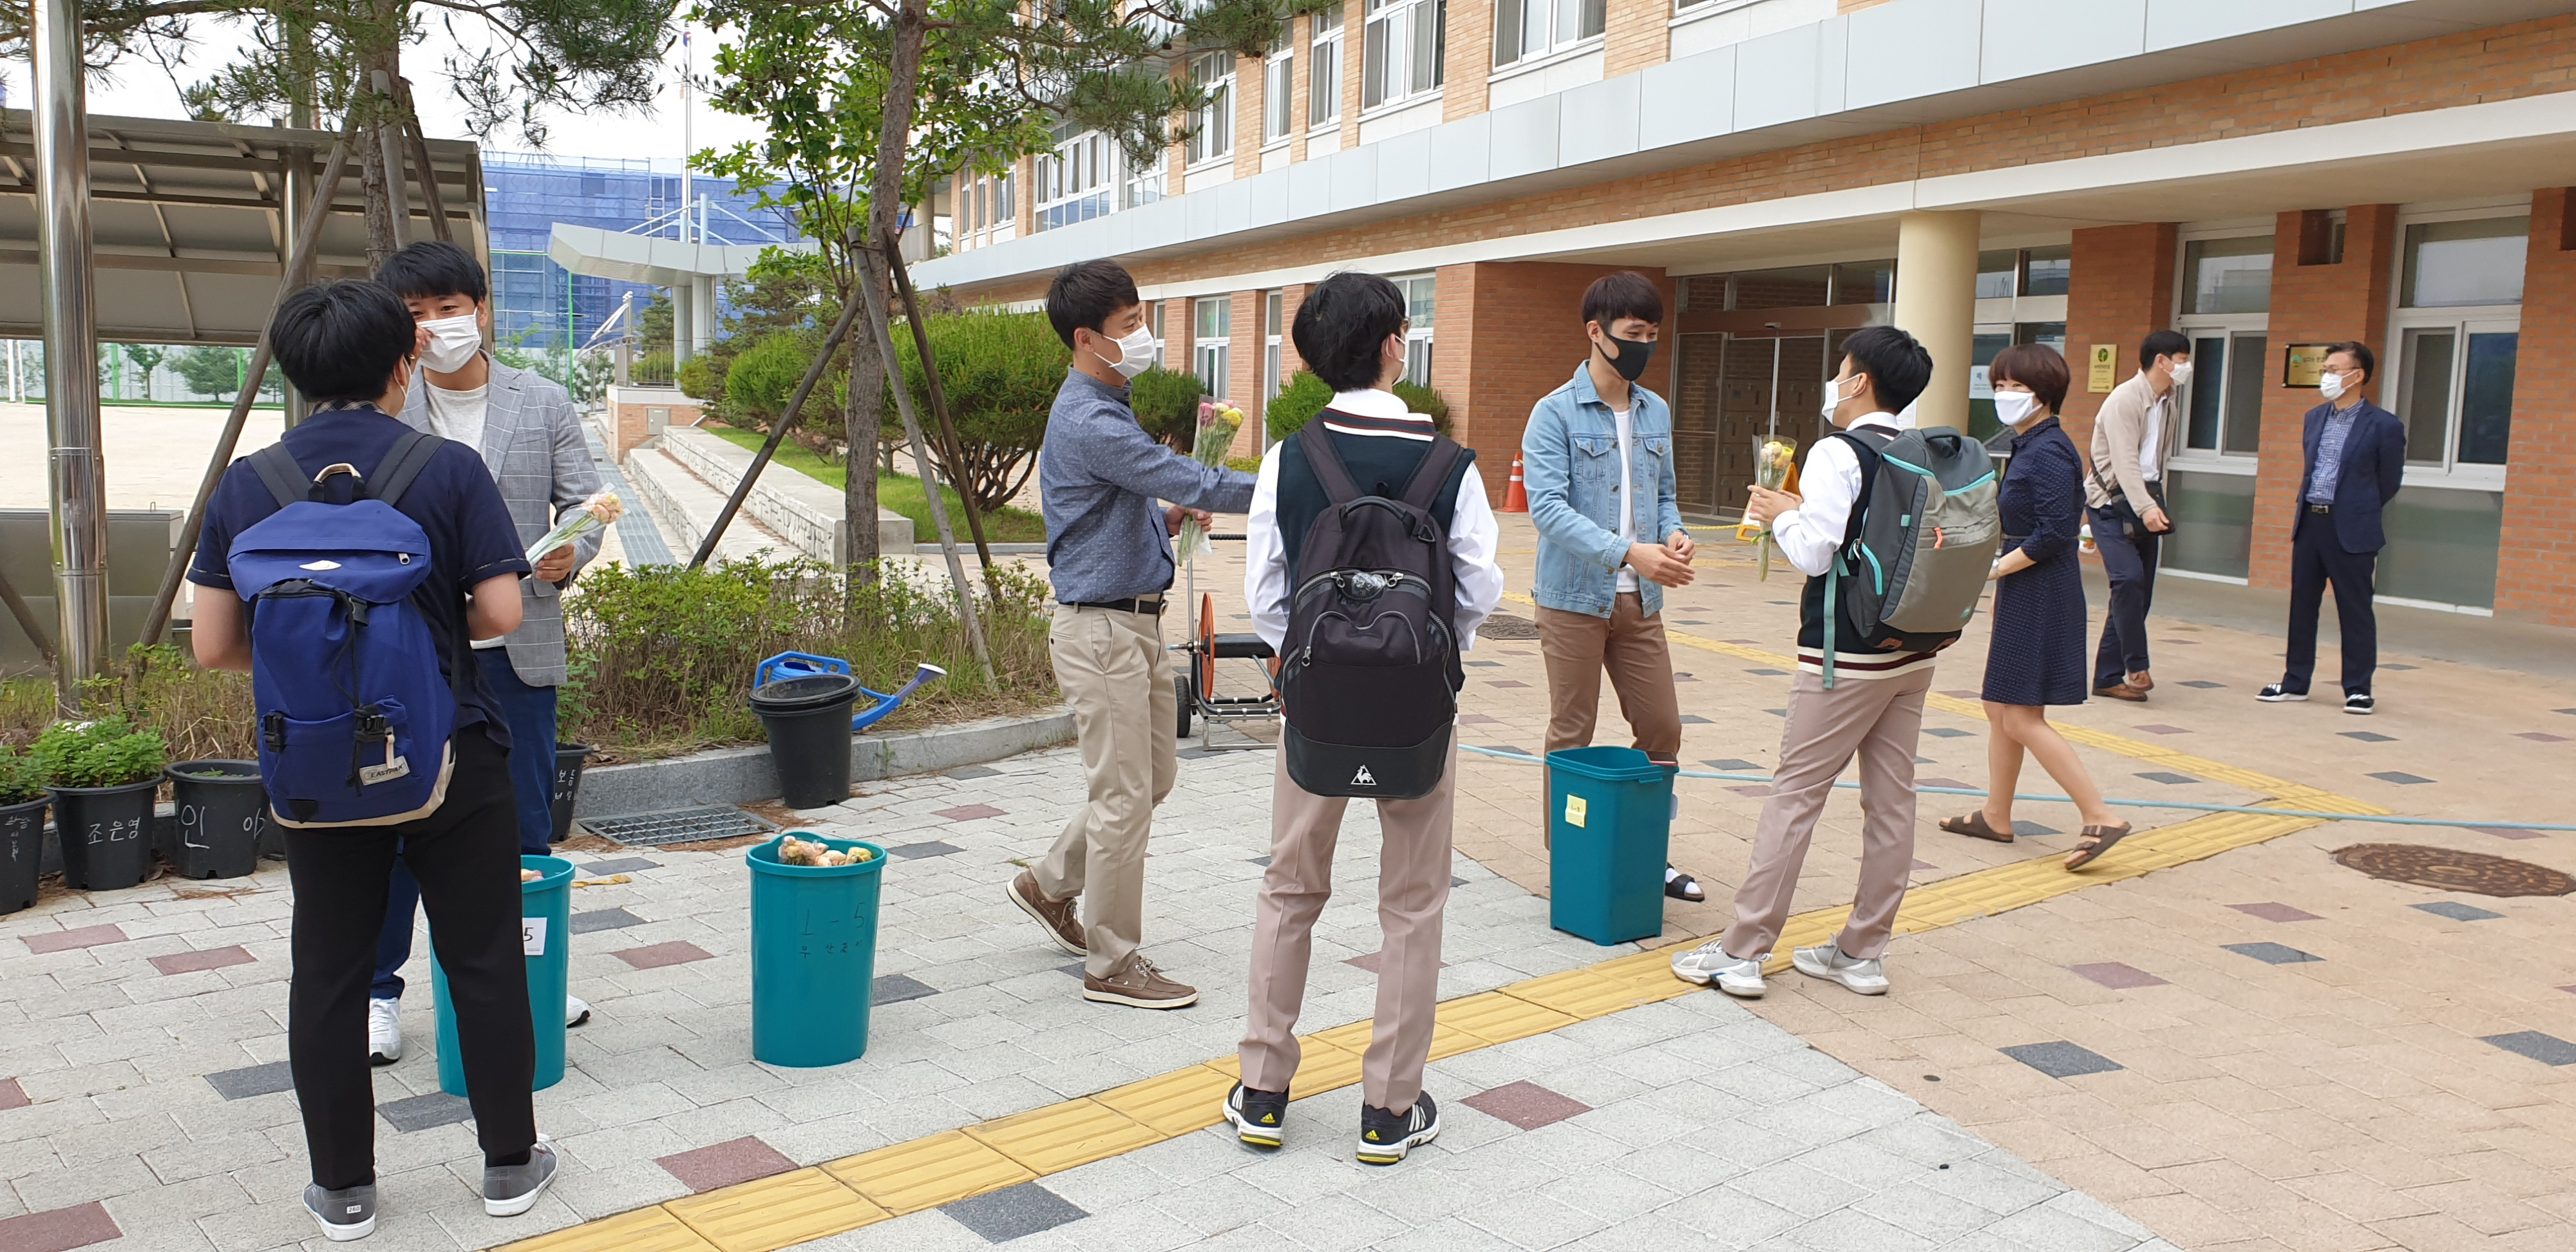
(806,513)
(684,507)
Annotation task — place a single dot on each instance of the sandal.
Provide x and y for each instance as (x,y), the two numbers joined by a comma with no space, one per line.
(1974,825)
(2096,841)
(1681,886)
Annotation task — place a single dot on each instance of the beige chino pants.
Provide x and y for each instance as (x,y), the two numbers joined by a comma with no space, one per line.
(1117,678)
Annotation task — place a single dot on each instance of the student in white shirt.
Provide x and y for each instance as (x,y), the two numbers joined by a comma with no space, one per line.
(2124,487)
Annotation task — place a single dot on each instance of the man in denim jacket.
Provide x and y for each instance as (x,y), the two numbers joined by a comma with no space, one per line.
(1597,459)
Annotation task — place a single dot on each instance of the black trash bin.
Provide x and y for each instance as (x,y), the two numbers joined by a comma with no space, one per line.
(569,760)
(106,834)
(808,720)
(22,853)
(222,813)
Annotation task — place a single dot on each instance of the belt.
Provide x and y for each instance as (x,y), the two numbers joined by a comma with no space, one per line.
(2320,508)
(1151,606)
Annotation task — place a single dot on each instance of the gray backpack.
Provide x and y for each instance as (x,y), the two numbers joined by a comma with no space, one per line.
(1921,541)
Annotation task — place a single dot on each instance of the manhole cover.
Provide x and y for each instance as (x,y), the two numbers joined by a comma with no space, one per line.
(654,830)
(1505,626)
(2453,870)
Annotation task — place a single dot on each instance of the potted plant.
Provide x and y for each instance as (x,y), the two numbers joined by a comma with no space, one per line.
(104,775)
(22,829)
(222,811)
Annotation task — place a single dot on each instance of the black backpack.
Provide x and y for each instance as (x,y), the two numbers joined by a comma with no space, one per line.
(1369,671)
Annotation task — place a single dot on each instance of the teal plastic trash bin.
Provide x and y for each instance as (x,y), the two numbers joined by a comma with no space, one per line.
(545,930)
(813,954)
(1609,816)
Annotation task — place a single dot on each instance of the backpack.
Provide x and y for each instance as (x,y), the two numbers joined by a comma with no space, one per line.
(1921,542)
(1369,669)
(354,714)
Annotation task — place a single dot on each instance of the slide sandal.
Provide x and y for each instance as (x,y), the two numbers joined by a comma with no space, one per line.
(2100,840)
(1975,826)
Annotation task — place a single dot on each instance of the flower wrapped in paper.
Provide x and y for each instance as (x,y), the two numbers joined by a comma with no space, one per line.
(596,513)
(1218,422)
(1773,461)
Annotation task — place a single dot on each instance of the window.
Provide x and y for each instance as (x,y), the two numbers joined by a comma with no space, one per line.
(1998,275)
(2045,271)
(1278,93)
(2222,406)
(1530,29)
(1402,56)
(2458,334)
(1087,176)
(1864,282)
(1215,334)
(2449,264)
(1324,68)
(1160,356)
(1212,126)
(2227,275)
(2026,272)
(1003,213)
(1274,321)
(1421,298)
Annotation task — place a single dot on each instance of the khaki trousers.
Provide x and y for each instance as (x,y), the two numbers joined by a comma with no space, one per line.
(1114,674)
(1879,720)
(1412,894)
(1629,644)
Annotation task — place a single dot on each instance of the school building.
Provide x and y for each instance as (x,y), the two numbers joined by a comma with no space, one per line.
(2264,175)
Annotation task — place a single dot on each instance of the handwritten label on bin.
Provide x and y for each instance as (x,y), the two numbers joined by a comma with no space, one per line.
(532,936)
(1574,810)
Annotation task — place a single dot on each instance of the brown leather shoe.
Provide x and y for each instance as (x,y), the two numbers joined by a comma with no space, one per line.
(2122,691)
(1140,985)
(1058,916)
(2142,681)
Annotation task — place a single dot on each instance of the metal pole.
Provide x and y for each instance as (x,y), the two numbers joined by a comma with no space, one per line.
(79,472)
(948,443)
(299,265)
(921,461)
(778,432)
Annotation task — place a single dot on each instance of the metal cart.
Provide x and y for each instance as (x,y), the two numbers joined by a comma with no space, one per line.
(1196,687)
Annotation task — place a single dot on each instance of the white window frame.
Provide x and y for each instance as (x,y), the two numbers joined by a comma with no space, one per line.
(1072,184)
(1274,321)
(1421,291)
(1324,62)
(1279,94)
(1395,38)
(2198,326)
(1544,29)
(1212,134)
(1212,357)
(2390,388)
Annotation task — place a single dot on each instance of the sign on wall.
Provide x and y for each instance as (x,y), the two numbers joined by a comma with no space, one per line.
(2302,364)
(2105,373)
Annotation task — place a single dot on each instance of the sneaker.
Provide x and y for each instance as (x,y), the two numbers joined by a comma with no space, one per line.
(2359,704)
(346,1214)
(1385,1137)
(576,1011)
(1058,916)
(2278,694)
(509,1190)
(1827,961)
(1257,1115)
(1141,986)
(384,1033)
(1707,963)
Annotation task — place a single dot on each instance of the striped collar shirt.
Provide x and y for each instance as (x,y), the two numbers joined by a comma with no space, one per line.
(1375,412)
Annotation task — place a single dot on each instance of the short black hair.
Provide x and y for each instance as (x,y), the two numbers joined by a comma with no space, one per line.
(1624,294)
(1341,324)
(2361,356)
(1898,367)
(340,341)
(2036,366)
(1086,294)
(434,267)
(2162,343)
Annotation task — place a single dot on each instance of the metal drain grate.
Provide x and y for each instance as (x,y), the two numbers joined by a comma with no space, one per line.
(654,830)
(2452,870)
(1506,626)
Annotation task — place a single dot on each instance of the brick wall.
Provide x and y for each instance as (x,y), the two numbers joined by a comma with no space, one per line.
(1637,36)
(2539,541)
(1354,42)
(1300,74)
(1471,56)
(2314,300)
(1509,333)
(1243,367)
(2119,286)
(1251,87)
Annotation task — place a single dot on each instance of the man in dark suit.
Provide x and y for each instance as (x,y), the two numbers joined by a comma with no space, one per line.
(2356,459)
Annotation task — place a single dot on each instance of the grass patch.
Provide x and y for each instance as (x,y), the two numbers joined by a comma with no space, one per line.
(898,492)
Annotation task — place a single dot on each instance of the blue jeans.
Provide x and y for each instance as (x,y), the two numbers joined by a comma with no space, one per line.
(529,712)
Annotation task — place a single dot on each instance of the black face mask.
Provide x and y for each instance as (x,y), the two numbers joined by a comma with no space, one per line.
(1629,357)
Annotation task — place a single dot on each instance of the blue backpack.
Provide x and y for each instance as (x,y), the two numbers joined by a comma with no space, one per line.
(354,714)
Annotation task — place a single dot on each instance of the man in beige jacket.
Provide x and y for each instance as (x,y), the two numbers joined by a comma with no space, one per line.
(2124,489)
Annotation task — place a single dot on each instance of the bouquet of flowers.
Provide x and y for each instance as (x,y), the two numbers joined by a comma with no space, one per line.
(1218,421)
(595,513)
(1772,460)
(795,851)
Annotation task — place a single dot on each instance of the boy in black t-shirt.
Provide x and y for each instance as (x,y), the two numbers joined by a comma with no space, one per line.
(349,347)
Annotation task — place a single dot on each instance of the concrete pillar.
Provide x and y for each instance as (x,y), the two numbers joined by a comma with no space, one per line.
(1936,302)
(683,325)
(703,330)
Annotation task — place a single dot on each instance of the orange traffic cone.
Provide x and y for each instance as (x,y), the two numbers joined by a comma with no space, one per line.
(1516,499)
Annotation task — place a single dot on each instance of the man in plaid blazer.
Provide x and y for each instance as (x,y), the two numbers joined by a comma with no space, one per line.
(530,438)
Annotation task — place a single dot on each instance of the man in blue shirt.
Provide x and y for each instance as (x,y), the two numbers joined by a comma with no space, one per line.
(348,346)
(2356,454)
(1110,559)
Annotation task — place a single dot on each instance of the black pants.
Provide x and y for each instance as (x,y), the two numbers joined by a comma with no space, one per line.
(2129,560)
(466,856)
(2317,558)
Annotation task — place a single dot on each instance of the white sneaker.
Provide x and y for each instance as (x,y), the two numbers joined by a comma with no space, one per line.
(1707,963)
(384,1031)
(1827,961)
(576,1011)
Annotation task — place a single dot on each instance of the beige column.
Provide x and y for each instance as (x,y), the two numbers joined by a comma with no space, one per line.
(1936,302)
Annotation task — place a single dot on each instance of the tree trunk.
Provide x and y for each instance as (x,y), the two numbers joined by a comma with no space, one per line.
(380,220)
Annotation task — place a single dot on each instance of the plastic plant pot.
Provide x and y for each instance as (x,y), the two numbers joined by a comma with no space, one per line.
(1609,814)
(22,853)
(808,720)
(106,834)
(570,758)
(813,954)
(545,934)
(222,812)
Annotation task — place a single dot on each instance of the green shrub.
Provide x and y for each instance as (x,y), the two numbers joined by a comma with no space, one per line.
(1425,401)
(197,712)
(108,752)
(21,779)
(1000,372)
(702,377)
(759,382)
(1167,405)
(1306,395)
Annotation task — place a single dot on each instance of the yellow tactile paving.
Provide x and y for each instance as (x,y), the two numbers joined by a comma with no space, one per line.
(1061,1136)
(928,1172)
(1321,1067)
(644,1230)
(776,1212)
(1498,1018)
(1589,992)
(1175,1103)
(1446,1040)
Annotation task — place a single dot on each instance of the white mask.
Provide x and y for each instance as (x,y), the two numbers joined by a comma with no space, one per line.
(1135,352)
(2182,374)
(1833,399)
(2013,408)
(2330,385)
(453,341)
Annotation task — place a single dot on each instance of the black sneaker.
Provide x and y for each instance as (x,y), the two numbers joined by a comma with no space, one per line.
(1257,1115)
(2278,694)
(1385,1137)
(2359,704)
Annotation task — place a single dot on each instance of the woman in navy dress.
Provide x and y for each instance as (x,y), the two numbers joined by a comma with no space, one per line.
(2036,657)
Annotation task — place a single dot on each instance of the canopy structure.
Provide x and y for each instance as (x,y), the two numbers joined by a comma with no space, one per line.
(689,266)
(190,223)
